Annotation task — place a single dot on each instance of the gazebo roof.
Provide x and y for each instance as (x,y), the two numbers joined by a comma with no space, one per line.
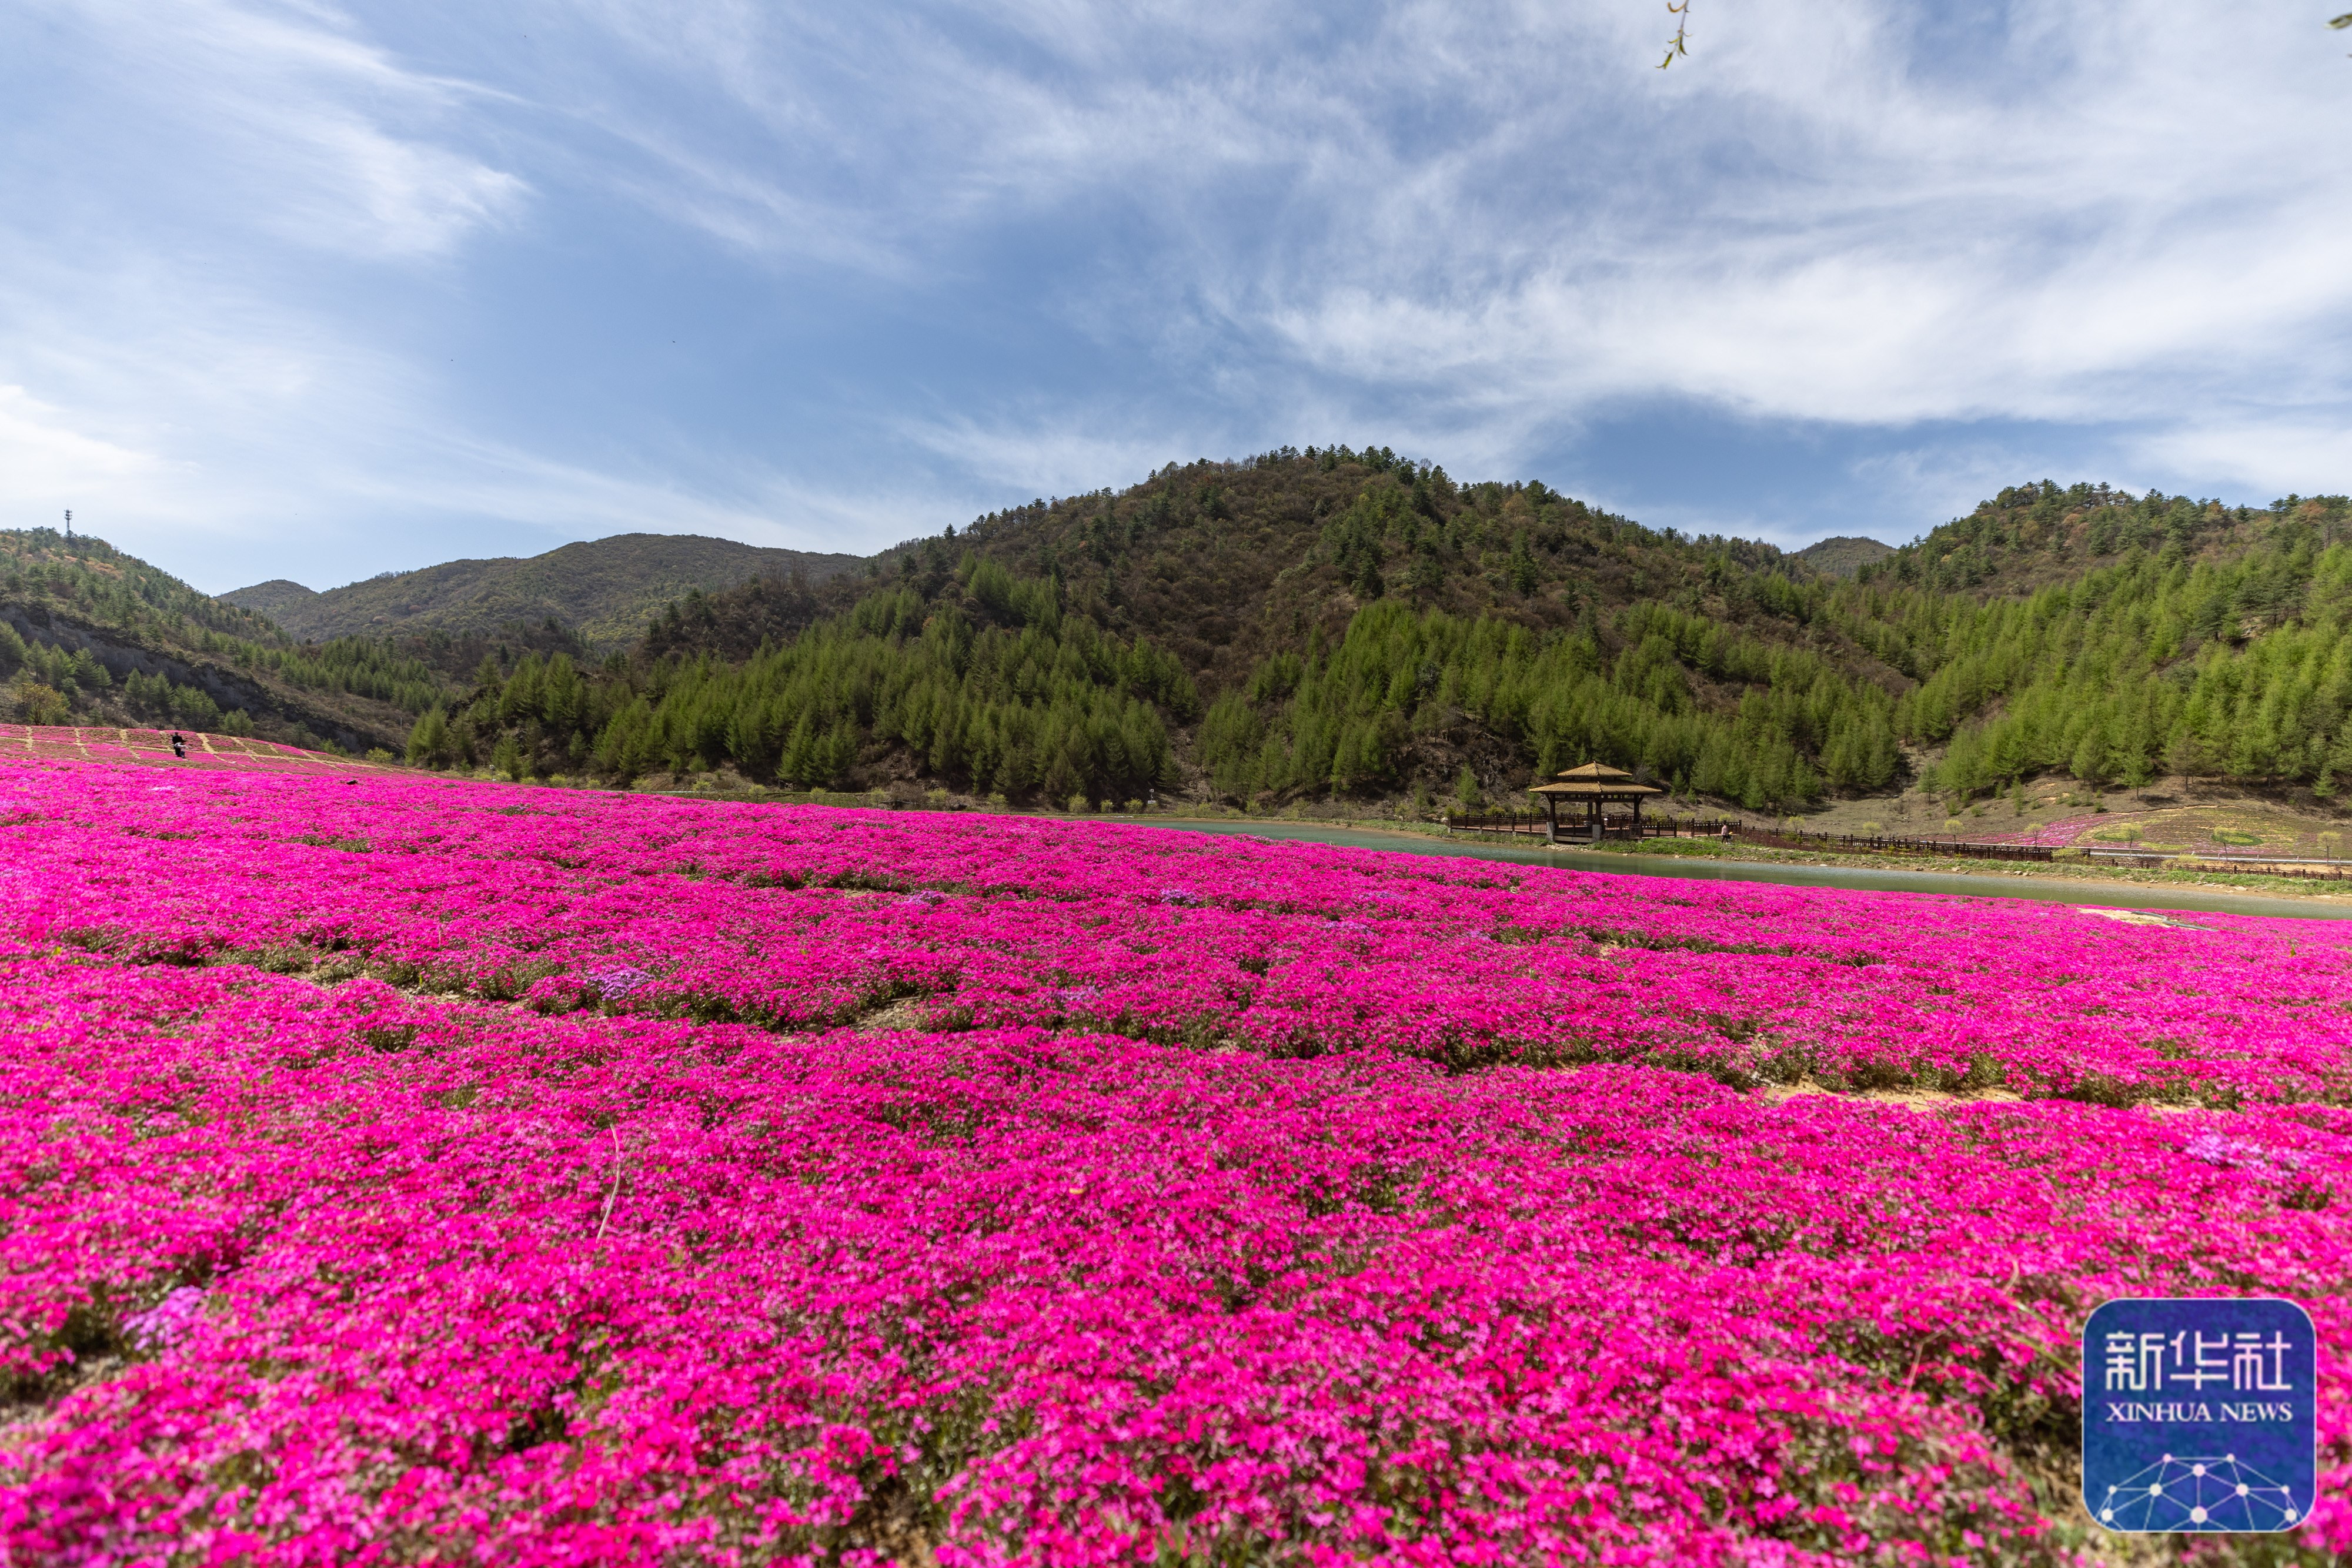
(1603,790)
(1596,782)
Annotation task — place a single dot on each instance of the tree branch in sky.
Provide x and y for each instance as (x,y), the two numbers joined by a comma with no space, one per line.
(1681,14)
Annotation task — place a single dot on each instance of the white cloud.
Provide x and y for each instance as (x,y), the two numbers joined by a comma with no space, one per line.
(1501,221)
(248,237)
(1055,453)
(280,117)
(1879,253)
(47,460)
(2270,456)
(752,504)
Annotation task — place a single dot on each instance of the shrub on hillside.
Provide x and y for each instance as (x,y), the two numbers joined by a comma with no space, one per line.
(36,703)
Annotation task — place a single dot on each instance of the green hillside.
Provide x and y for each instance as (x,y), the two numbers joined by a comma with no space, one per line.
(273,599)
(1340,622)
(1843,555)
(89,635)
(1314,624)
(2220,648)
(2031,536)
(1227,563)
(1320,623)
(608,589)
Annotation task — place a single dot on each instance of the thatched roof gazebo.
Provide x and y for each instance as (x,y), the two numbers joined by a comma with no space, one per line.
(1595,784)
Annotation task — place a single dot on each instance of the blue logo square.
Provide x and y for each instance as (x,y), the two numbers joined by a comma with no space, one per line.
(2199,1414)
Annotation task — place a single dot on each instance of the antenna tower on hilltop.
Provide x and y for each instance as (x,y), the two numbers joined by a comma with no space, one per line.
(69,525)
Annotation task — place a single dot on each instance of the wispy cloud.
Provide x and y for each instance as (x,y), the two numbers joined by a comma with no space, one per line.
(281,118)
(1496,217)
(1058,454)
(42,453)
(339,284)
(2266,456)
(751,503)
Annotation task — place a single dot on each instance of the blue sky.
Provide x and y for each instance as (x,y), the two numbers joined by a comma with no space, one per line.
(318,291)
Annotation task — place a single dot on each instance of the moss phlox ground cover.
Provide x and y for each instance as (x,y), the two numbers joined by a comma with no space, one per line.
(392,1171)
(800,917)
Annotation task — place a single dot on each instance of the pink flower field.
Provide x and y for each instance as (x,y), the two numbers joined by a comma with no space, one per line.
(405,1171)
(88,743)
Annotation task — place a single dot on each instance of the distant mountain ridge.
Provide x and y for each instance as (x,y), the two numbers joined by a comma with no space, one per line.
(2031,537)
(1342,623)
(1295,624)
(608,589)
(271,598)
(1349,624)
(89,635)
(1843,555)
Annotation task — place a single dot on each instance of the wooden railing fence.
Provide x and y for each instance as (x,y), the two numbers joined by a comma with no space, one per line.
(1530,824)
(1522,825)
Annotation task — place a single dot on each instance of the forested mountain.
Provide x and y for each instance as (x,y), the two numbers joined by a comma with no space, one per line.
(1843,555)
(2031,536)
(2170,660)
(1343,623)
(1327,622)
(990,684)
(1299,623)
(1226,564)
(276,599)
(607,591)
(89,635)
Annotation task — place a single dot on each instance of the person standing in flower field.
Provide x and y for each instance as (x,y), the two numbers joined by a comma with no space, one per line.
(179,745)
